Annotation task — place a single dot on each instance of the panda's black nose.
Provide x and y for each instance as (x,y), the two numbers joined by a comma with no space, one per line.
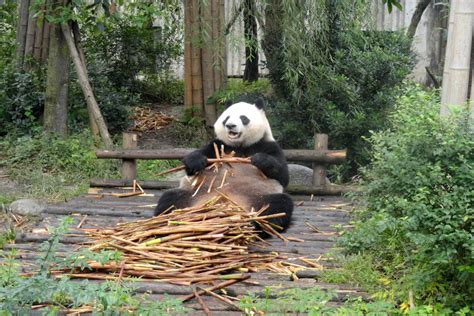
(230,126)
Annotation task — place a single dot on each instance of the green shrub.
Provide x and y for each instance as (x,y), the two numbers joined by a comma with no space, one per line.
(418,222)
(21,99)
(163,88)
(54,168)
(345,96)
(114,102)
(238,90)
(8,20)
(19,293)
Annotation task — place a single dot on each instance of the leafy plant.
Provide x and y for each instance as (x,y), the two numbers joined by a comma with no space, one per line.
(238,90)
(22,96)
(418,222)
(328,66)
(18,293)
(54,168)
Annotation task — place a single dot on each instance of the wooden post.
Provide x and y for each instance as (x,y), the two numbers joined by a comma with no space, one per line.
(129,167)
(319,171)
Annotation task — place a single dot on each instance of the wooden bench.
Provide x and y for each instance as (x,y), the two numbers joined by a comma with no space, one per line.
(320,157)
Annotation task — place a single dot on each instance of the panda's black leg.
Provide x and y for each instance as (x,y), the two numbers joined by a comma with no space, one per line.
(278,203)
(178,198)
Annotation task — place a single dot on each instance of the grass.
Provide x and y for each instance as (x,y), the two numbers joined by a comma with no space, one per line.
(56,170)
(356,270)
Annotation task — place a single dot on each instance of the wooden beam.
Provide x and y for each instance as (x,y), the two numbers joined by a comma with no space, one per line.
(322,156)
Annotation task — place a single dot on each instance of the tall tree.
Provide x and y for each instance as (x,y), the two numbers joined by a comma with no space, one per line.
(55,107)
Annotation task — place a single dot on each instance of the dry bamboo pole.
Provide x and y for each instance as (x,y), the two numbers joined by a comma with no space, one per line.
(21,32)
(207,62)
(455,86)
(30,33)
(188,88)
(77,41)
(45,41)
(196,65)
(39,36)
(223,47)
(92,106)
(448,55)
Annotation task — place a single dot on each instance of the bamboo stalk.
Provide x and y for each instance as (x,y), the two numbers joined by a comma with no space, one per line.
(201,302)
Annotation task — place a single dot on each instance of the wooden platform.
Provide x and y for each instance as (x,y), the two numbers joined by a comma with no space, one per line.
(100,209)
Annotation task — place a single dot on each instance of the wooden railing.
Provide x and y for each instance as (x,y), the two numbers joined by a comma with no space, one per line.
(320,157)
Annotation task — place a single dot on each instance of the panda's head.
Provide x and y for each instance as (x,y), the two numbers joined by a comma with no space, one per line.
(243,124)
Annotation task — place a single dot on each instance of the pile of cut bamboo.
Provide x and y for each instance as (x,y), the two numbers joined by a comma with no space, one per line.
(185,246)
(147,119)
(197,244)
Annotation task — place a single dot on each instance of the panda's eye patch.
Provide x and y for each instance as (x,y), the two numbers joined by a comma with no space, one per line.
(225,121)
(245,120)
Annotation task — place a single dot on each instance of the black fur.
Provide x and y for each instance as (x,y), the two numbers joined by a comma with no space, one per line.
(225,121)
(176,198)
(260,103)
(245,120)
(266,155)
(278,203)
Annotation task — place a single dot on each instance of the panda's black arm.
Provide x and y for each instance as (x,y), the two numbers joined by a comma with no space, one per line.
(197,160)
(270,159)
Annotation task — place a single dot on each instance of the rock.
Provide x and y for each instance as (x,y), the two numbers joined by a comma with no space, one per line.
(175,176)
(27,207)
(301,175)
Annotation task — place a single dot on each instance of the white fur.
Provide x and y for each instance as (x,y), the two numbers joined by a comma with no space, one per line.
(258,128)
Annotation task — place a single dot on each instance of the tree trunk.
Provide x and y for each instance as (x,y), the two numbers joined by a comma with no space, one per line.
(416,18)
(272,41)
(21,32)
(251,42)
(92,106)
(55,108)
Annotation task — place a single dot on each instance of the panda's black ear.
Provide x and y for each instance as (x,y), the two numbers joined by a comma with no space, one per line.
(260,103)
(228,103)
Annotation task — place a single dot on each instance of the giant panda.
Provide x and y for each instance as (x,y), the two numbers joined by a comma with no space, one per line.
(242,128)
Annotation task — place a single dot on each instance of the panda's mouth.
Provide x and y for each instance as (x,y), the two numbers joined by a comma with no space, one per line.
(233,135)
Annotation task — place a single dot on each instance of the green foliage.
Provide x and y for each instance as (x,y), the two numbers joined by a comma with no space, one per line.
(147,169)
(328,67)
(418,222)
(22,99)
(314,301)
(238,90)
(114,101)
(18,293)
(8,20)
(308,301)
(357,270)
(54,168)
(163,88)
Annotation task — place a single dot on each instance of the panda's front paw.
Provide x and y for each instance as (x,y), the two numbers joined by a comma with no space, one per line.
(260,160)
(194,162)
